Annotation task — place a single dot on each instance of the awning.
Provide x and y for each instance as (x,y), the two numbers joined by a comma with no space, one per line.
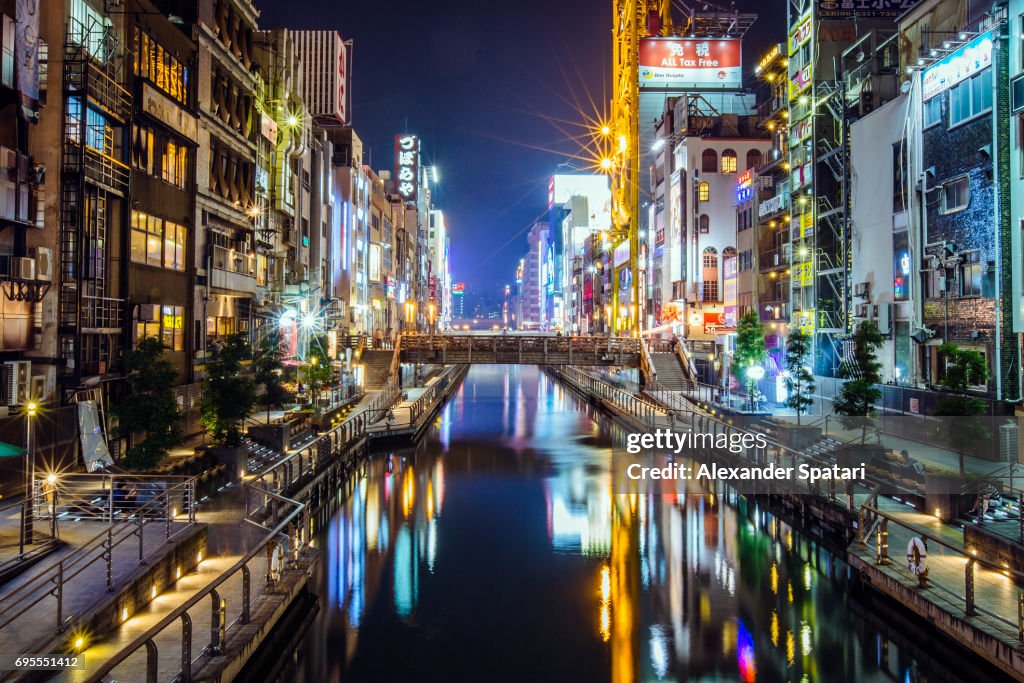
(10,450)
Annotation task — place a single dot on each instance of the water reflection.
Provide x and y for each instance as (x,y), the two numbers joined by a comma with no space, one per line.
(498,550)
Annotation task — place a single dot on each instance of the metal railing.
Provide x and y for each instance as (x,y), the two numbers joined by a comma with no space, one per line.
(101,312)
(53,581)
(266,497)
(294,525)
(234,261)
(109,496)
(458,348)
(945,558)
(647,412)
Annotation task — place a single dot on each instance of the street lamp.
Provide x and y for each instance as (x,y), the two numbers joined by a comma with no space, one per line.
(754,374)
(431,311)
(31,409)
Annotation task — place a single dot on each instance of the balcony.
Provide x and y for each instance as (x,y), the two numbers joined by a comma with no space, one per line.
(101,315)
(773,259)
(233,271)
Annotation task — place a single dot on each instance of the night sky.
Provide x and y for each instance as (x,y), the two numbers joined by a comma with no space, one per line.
(481,84)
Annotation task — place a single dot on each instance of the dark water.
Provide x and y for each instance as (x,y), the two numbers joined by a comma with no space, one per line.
(497,550)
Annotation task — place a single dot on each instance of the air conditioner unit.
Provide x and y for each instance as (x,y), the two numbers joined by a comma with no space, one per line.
(44,262)
(941,284)
(15,382)
(862,289)
(23,268)
(883,318)
(864,311)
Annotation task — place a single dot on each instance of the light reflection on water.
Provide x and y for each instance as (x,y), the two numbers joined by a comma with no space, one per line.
(497,550)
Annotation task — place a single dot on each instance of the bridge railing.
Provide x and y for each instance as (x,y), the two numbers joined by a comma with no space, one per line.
(465,347)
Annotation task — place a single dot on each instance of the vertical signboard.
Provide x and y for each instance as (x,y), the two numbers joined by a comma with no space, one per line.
(26,58)
(730,267)
(341,85)
(407,165)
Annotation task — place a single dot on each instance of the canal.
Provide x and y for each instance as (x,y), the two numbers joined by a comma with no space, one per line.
(498,550)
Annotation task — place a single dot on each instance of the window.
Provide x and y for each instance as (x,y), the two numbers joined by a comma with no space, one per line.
(710,258)
(710,291)
(220,326)
(175,164)
(956,194)
(709,161)
(703,192)
(970,98)
(898,188)
(729,161)
(753,158)
(933,111)
(166,323)
(88,28)
(156,242)
(728,252)
(704,224)
(160,67)
(970,275)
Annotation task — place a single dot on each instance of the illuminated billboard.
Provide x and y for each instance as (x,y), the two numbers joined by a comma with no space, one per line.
(407,166)
(341,91)
(690,63)
(958,66)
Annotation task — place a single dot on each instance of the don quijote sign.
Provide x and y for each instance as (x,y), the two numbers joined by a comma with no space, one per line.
(672,63)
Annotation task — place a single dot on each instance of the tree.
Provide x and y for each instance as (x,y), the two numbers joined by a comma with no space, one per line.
(149,406)
(799,380)
(267,369)
(749,349)
(964,368)
(857,398)
(317,371)
(228,394)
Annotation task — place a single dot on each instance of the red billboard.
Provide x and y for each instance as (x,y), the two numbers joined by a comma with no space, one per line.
(341,95)
(690,63)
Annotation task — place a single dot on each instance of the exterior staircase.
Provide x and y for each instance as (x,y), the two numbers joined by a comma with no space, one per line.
(670,371)
(376,367)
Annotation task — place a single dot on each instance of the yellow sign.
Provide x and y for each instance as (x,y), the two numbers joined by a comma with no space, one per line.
(803,272)
(769,58)
(806,224)
(800,35)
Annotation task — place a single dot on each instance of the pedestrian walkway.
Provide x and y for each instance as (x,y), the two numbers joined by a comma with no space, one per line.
(996,596)
(229,537)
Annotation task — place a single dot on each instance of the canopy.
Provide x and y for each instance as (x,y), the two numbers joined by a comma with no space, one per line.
(10,451)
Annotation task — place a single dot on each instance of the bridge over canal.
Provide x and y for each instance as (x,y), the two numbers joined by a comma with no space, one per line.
(520,350)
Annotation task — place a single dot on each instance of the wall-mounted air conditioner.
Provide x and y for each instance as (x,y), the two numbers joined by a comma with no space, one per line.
(15,382)
(43,257)
(862,289)
(23,268)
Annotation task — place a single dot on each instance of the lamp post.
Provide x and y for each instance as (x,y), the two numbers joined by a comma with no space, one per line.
(754,374)
(314,383)
(30,474)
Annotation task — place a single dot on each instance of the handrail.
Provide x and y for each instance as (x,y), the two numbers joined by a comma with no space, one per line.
(210,590)
(78,560)
(647,369)
(396,358)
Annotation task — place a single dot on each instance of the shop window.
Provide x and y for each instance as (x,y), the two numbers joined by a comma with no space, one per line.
(165,323)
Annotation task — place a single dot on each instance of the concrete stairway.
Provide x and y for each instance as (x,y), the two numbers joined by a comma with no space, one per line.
(670,372)
(377,365)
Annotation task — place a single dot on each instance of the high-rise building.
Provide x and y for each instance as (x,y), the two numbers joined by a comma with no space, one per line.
(324,59)
(225,245)
(459,300)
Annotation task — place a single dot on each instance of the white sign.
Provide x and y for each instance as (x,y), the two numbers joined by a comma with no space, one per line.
(407,164)
(973,57)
